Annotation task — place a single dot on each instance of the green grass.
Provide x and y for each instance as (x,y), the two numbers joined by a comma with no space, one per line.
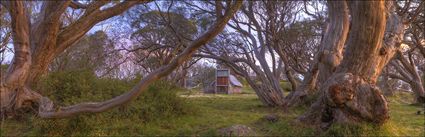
(217,111)
(404,121)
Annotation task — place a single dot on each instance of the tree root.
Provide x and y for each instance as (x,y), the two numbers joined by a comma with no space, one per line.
(346,98)
(15,101)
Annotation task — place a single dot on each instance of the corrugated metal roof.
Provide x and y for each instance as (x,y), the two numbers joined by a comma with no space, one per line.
(234,81)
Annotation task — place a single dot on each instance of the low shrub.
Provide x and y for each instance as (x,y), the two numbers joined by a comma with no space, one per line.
(159,101)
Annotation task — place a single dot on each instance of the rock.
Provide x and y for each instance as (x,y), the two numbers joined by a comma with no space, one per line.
(237,130)
(271,118)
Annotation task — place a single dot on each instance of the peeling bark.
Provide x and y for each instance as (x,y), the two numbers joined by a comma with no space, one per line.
(347,98)
(350,95)
(334,40)
(14,94)
(330,52)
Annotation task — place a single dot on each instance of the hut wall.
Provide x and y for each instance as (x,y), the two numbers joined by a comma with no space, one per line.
(222,81)
(236,90)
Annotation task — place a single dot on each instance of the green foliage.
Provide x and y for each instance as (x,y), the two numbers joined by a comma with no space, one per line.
(159,101)
(72,87)
(89,53)
(163,34)
(156,22)
(286,85)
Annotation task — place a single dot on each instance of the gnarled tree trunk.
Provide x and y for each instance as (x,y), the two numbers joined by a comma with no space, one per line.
(330,52)
(14,93)
(350,95)
(267,95)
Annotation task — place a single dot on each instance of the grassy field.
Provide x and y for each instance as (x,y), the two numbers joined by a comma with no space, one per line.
(214,112)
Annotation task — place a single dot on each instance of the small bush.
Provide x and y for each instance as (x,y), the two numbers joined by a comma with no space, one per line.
(159,101)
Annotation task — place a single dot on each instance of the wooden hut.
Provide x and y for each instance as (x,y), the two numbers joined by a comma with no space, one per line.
(224,83)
